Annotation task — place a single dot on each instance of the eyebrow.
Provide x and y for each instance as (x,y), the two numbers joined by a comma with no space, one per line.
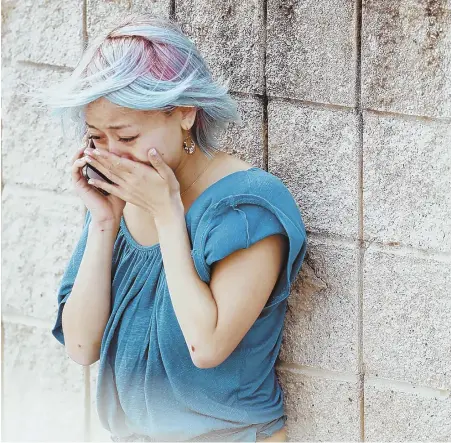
(111,127)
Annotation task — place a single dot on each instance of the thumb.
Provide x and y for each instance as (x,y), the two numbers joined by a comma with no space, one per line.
(157,162)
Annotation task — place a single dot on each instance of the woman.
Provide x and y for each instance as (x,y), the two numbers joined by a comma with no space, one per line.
(180,279)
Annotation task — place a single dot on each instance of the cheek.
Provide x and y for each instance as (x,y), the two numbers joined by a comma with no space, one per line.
(140,152)
(166,144)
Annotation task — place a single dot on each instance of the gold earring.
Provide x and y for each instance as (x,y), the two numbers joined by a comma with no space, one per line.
(189,149)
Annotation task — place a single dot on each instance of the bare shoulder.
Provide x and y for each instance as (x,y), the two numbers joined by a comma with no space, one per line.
(227,164)
(224,165)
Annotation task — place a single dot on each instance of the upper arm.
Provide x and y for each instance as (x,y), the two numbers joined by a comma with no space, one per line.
(241,285)
(248,249)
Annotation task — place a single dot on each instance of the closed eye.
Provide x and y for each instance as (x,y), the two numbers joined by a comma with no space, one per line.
(127,139)
(121,139)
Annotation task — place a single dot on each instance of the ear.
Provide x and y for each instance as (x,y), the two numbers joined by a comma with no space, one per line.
(188,116)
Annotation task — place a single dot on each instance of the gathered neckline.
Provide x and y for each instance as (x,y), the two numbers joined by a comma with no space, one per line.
(156,247)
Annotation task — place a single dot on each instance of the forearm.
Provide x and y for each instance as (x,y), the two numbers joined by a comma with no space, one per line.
(192,299)
(87,310)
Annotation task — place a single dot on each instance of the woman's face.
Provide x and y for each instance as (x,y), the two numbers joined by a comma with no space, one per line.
(138,131)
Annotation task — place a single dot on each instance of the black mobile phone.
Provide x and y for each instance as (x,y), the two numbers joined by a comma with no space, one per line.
(88,171)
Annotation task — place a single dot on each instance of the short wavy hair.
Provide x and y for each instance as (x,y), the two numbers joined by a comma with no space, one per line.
(145,63)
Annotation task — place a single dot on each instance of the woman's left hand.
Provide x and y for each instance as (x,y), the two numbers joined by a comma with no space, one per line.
(153,188)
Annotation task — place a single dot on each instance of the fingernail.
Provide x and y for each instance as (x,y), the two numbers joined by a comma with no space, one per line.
(153,151)
(95,152)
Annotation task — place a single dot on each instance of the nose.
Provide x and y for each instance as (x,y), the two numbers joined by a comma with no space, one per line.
(115,148)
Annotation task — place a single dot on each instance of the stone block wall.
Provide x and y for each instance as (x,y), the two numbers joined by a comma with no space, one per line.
(349,103)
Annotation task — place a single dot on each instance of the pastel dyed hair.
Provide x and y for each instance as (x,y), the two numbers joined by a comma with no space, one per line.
(145,63)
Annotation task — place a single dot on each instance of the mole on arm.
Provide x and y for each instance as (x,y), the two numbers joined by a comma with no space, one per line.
(192,348)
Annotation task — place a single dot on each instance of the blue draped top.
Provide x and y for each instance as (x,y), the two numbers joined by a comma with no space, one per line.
(147,383)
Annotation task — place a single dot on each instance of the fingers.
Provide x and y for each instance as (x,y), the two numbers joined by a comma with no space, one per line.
(113,162)
(76,168)
(79,151)
(110,188)
(106,169)
(78,160)
(117,169)
(77,155)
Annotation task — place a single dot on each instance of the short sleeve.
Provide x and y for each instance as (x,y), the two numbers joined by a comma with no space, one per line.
(68,279)
(237,222)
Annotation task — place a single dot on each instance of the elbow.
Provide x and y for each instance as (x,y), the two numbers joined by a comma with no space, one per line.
(205,363)
(210,353)
(83,358)
(207,360)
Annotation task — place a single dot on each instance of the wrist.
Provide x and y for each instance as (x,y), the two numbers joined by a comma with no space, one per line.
(172,212)
(110,226)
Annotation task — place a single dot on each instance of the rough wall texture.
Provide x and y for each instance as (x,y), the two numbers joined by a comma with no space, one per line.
(349,103)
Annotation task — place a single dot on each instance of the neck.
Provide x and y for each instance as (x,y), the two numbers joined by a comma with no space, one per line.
(190,168)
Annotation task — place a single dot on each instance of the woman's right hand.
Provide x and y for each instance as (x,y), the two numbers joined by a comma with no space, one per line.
(105,210)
